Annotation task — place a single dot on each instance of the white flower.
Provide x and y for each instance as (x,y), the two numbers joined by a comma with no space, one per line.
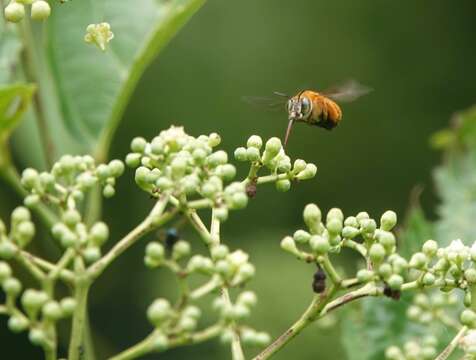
(238,258)
(469,340)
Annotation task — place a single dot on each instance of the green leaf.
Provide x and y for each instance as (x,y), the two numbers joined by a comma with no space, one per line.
(375,324)
(93,87)
(14,100)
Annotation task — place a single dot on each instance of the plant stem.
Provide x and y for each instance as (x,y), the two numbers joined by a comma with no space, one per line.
(65,275)
(236,350)
(155,219)
(146,345)
(445,354)
(81,290)
(205,289)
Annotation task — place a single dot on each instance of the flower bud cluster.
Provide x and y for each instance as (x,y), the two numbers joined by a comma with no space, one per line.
(22,231)
(99,35)
(423,349)
(71,232)
(70,178)
(15,10)
(233,313)
(468,344)
(425,309)
(188,168)
(232,268)
(39,309)
(275,160)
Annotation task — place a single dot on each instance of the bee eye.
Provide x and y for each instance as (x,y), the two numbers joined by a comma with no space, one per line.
(305,105)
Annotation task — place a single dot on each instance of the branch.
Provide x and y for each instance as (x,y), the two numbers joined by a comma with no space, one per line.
(445,354)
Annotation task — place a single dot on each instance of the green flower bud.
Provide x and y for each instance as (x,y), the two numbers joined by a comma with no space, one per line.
(302,237)
(470,275)
(288,244)
(227,172)
(430,247)
(187,324)
(468,318)
(133,160)
(159,311)
(312,216)
(108,191)
(388,220)
(241,154)
(180,249)
(255,141)
(179,167)
(14,12)
(141,175)
(395,282)
(164,183)
(116,168)
(91,254)
(335,213)
(252,154)
(227,337)
(155,251)
(40,10)
(219,252)
(17,323)
(422,301)
(245,272)
(52,311)
(192,312)
(99,233)
(71,217)
(387,239)
(308,173)
(239,312)
(428,279)
(32,299)
(414,312)
(299,165)
(284,165)
(273,147)
(12,286)
(20,214)
(334,225)
(200,263)
(138,144)
(283,185)
(217,158)
(319,244)
(37,336)
(368,225)
(29,178)
(161,342)
(223,268)
(24,233)
(385,270)
(247,298)
(362,215)
(5,271)
(239,201)
(31,200)
(350,232)
(377,253)
(365,275)
(68,305)
(394,353)
(418,260)
(351,221)
(214,139)
(7,250)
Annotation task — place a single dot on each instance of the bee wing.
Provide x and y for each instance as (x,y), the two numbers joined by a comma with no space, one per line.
(348,91)
(267,102)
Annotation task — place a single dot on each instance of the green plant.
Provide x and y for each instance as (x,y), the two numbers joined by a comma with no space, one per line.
(189,181)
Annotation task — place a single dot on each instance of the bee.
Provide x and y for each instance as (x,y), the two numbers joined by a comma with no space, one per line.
(318,108)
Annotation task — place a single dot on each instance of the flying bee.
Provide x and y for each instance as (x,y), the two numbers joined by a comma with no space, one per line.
(317,108)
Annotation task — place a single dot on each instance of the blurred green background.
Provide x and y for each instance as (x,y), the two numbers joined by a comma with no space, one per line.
(418,56)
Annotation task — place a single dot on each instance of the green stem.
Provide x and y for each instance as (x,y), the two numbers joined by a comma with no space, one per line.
(79,318)
(65,275)
(320,306)
(445,354)
(147,345)
(30,66)
(34,270)
(155,219)
(206,288)
(329,269)
(94,206)
(236,349)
